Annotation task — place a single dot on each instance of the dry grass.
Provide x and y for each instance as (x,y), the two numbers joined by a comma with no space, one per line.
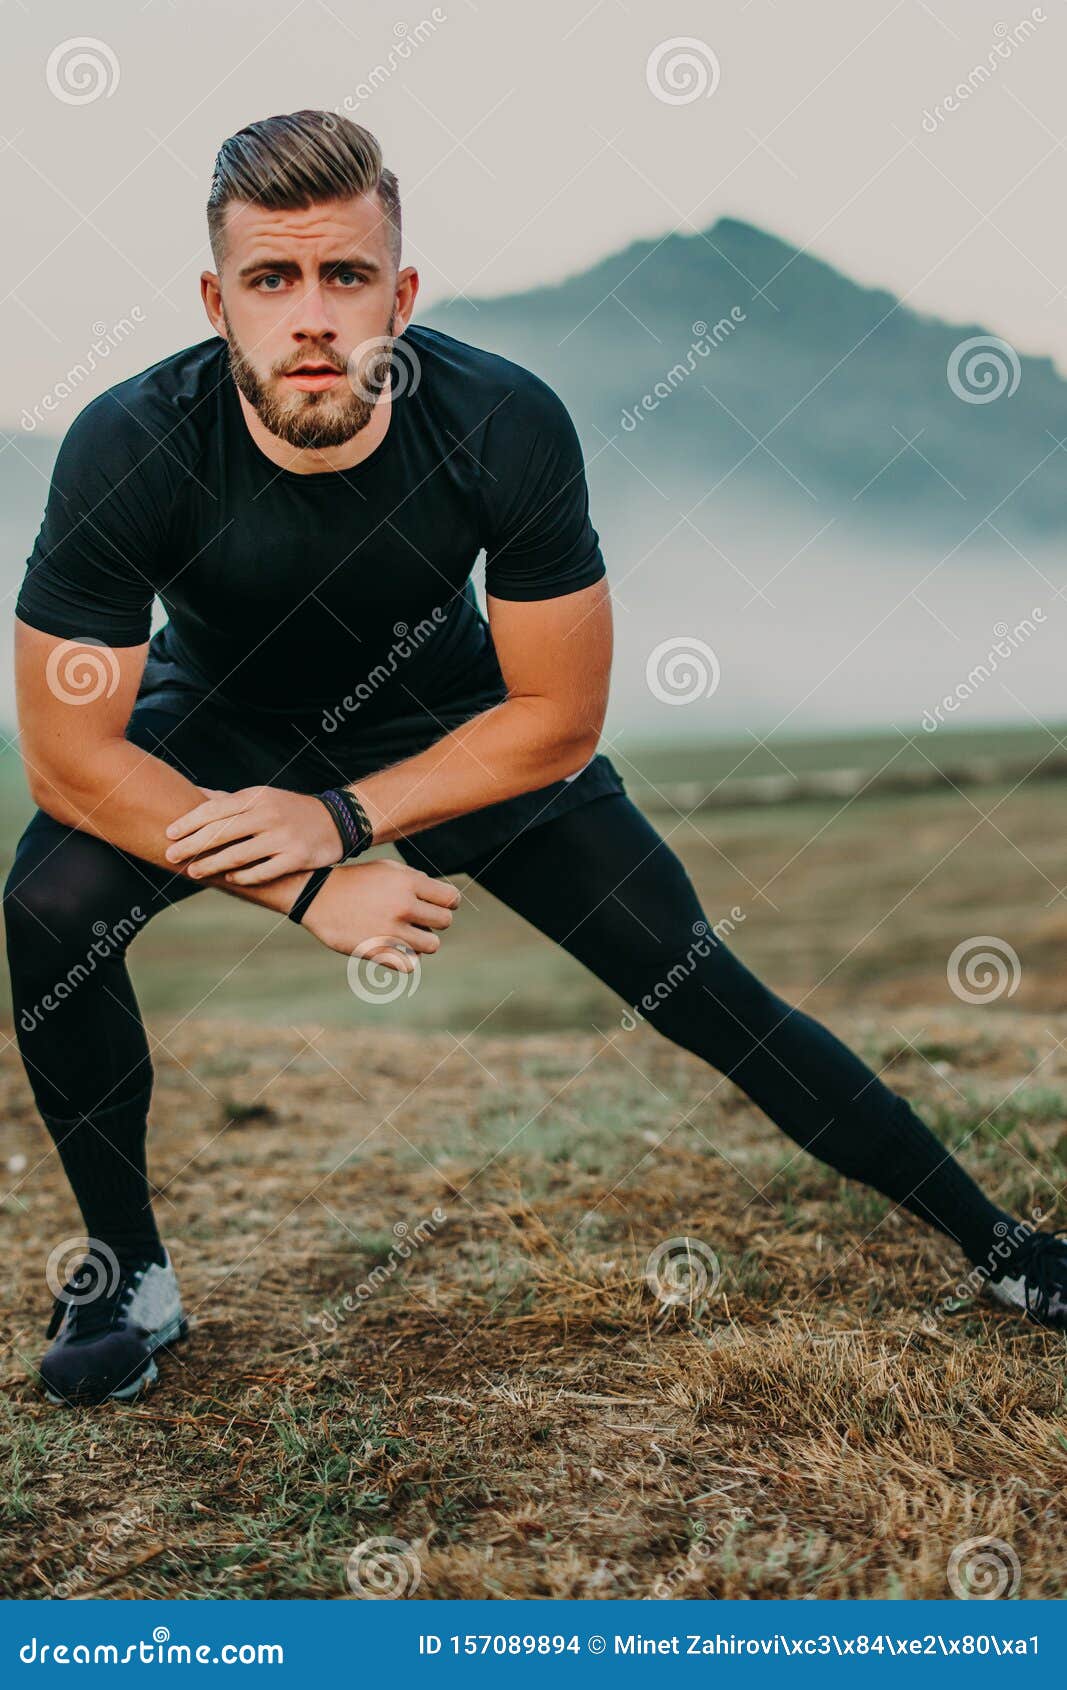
(511,1400)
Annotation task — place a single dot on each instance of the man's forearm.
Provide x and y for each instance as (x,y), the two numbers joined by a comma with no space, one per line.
(517,746)
(126,796)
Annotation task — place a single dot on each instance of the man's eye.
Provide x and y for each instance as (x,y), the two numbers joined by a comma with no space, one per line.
(267,283)
(348,278)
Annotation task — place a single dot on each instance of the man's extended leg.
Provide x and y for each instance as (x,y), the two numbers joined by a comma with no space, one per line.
(602,883)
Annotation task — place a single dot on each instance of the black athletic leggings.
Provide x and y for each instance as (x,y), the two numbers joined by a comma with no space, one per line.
(599,881)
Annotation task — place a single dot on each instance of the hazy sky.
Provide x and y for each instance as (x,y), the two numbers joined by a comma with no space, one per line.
(529,142)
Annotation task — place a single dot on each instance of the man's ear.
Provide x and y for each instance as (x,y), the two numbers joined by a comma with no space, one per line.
(211,294)
(407,286)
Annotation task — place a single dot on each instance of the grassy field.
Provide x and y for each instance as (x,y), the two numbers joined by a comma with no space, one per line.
(414,1238)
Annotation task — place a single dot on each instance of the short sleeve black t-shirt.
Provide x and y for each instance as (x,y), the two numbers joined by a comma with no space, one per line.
(290,593)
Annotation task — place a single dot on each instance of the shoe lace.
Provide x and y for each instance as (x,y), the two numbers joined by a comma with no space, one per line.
(1042,1261)
(91,1313)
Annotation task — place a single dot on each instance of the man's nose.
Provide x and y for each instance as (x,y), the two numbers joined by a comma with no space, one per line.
(312,317)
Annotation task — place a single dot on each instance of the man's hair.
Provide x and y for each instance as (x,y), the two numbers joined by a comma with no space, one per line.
(300,159)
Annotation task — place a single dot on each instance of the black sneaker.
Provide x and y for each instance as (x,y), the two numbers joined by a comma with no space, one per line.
(1034,1281)
(107,1331)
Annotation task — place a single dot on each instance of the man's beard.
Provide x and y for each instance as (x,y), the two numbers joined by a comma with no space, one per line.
(314,419)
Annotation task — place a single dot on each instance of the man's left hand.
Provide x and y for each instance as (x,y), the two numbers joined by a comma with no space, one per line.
(254,835)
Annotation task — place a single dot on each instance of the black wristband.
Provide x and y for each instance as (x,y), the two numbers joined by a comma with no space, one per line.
(351,821)
(311,888)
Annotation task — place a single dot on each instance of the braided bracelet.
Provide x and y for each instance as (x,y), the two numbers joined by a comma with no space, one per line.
(311,888)
(350,820)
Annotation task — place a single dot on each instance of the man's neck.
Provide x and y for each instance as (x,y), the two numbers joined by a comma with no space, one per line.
(310,460)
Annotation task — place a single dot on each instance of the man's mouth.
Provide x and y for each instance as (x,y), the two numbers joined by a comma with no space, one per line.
(313,376)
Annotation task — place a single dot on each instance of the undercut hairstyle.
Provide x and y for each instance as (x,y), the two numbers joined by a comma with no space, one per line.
(301,159)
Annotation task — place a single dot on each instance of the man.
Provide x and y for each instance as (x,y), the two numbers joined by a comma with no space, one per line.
(325,681)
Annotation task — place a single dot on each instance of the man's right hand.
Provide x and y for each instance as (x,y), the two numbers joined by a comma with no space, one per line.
(367,909)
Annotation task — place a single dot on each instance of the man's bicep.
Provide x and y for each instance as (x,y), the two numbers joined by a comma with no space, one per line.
(72,695)
(557,648)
